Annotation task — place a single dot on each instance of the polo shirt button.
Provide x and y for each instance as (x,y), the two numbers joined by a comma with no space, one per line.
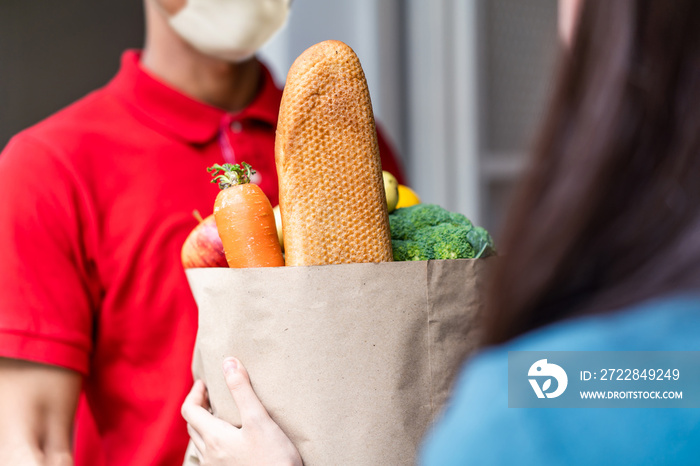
(236,127)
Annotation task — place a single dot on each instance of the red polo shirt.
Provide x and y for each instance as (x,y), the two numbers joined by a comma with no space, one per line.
(96,203)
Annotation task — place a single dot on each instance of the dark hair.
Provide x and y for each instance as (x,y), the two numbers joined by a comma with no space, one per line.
(608,213)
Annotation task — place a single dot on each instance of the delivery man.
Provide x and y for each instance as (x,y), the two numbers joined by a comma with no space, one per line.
(96,203)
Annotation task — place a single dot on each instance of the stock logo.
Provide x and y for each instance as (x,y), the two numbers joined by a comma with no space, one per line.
(541,370)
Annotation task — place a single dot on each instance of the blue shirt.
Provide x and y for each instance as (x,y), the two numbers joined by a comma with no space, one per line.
(479,428)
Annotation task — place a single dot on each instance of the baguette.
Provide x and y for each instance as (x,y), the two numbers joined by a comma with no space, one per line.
(332,196)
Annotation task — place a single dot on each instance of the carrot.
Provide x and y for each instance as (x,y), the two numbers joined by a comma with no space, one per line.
(244,219)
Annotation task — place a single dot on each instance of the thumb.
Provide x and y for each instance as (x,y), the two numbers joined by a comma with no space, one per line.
(238,383)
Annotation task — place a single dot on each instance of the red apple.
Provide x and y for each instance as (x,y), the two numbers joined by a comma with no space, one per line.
(203,247)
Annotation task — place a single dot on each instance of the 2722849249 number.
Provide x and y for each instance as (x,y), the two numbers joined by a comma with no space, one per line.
(636,374)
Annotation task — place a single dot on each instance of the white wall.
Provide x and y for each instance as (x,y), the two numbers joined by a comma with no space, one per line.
(442,92)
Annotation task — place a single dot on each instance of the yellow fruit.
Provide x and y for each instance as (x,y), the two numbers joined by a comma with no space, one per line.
(391,189)
(407,197)
(278,224)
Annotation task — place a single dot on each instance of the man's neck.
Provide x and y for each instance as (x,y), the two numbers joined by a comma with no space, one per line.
(231,86)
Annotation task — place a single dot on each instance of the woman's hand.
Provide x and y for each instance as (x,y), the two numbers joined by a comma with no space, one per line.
(258,441)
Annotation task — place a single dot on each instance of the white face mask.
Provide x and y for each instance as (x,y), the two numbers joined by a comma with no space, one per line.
(231,30)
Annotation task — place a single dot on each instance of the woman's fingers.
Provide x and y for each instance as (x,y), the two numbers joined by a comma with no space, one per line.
(238,382)
(194,410)
(259,441)
(198,394)
(199,444)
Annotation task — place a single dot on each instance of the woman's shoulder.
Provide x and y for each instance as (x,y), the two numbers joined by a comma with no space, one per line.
(478,426)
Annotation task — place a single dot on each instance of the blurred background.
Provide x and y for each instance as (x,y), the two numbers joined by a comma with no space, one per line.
(458,85)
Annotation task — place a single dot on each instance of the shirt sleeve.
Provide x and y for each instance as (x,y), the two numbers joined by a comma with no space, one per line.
(390,161)
(47,284)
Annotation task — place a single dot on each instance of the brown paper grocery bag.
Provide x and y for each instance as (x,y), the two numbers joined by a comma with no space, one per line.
(353,361)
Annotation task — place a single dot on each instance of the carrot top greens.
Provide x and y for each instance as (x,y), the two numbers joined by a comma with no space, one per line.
(231,175)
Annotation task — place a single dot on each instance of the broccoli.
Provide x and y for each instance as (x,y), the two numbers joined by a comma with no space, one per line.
(404,222)
(449,241)
(427,231)
(407,250)
(481,241)
(459,219)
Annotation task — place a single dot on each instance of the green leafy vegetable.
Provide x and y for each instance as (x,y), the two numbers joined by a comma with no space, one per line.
(427,231)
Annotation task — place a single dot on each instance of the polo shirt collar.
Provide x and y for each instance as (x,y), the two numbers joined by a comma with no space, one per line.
(168,110)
